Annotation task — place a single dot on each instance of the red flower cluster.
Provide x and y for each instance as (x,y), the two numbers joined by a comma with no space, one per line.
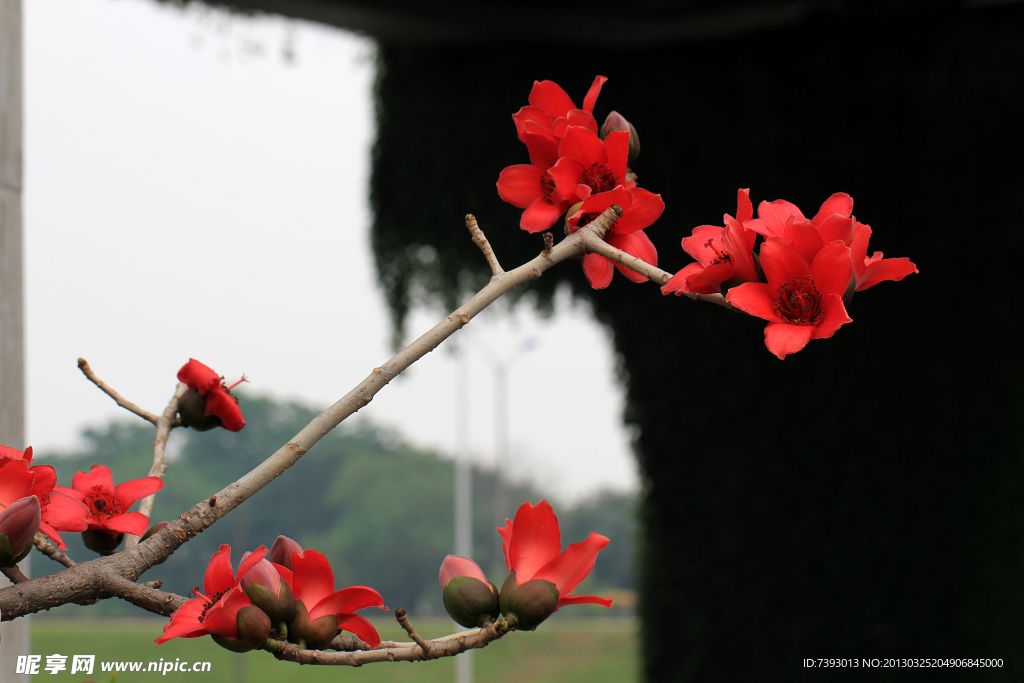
(804,274)
(58,510)
(572,164)
(108,505)
(541,575)
(295,599)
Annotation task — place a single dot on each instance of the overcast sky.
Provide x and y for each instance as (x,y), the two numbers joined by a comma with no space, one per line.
(196,186)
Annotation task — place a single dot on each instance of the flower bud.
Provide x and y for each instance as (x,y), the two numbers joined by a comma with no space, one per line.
(253,631)
(19,523)
(530,603)
(617,121)
(267,591)
(470,599)
(101,542)
(281,552)
(192,412)
(317,633)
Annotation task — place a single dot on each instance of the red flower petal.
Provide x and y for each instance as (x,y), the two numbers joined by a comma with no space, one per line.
(755,298)
(346,601)
(15,482)
(585,147)
(591,97)
(185,622)
(578,117)
(455,565)
(221,404)
(836,227)
(840,203)
(832,269)
(805,238)
(219,574)
(519,185)
(598,269)
(52,534)
(887,269)
(98,476)
(566,174)
(699,246)
(542,146)
(535,538)
(249,561)
(616,146)
(744,208)
(506,541)
(222,618)
(783,339)
(313,577)
(128,523)
(534,115)
(541,215)
(573,565)
(583,600)
(550,97)
(646,207)
(198,376)
(782,263)
(130,491)
(64,513)
(677,283)
(636,244)
(353,623)
(776,214)
(835,317)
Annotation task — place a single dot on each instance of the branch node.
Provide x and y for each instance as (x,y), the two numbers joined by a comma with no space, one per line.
(403,619)
(549,243)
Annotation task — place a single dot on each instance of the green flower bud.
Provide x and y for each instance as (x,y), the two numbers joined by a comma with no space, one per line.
(253,631)
(530,603)
(278,606)
(470,601)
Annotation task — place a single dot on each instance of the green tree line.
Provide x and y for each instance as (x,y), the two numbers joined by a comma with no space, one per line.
(380,510)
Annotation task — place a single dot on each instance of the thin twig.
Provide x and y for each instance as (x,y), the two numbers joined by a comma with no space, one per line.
(481,241)
(164,424)
(403,619)
(50,550)
(83,365)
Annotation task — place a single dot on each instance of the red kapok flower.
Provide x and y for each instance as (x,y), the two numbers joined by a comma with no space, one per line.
(108,504)
(312,584)
(208,396)
(589,165)
(217,611)
(541,126)
(801,302)
(59,511)
(533,551)
(552,111)
(870,271)
(640,208)
(722,253)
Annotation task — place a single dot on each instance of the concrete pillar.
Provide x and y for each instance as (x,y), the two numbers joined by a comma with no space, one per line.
(15,634)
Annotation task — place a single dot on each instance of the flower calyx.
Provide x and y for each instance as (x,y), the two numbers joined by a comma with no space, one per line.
(530,603)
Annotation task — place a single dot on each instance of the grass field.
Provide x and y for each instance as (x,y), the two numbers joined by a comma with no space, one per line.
(563,650)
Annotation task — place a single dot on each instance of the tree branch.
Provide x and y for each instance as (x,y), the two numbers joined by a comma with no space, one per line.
(447,646)
(481,241)
(164,424)
(83,365)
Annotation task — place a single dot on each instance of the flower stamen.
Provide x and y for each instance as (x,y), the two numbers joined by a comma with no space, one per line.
(599,178)
(102,504)
(799,302)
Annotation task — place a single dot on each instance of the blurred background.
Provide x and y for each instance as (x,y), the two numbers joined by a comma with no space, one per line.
(860,498)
